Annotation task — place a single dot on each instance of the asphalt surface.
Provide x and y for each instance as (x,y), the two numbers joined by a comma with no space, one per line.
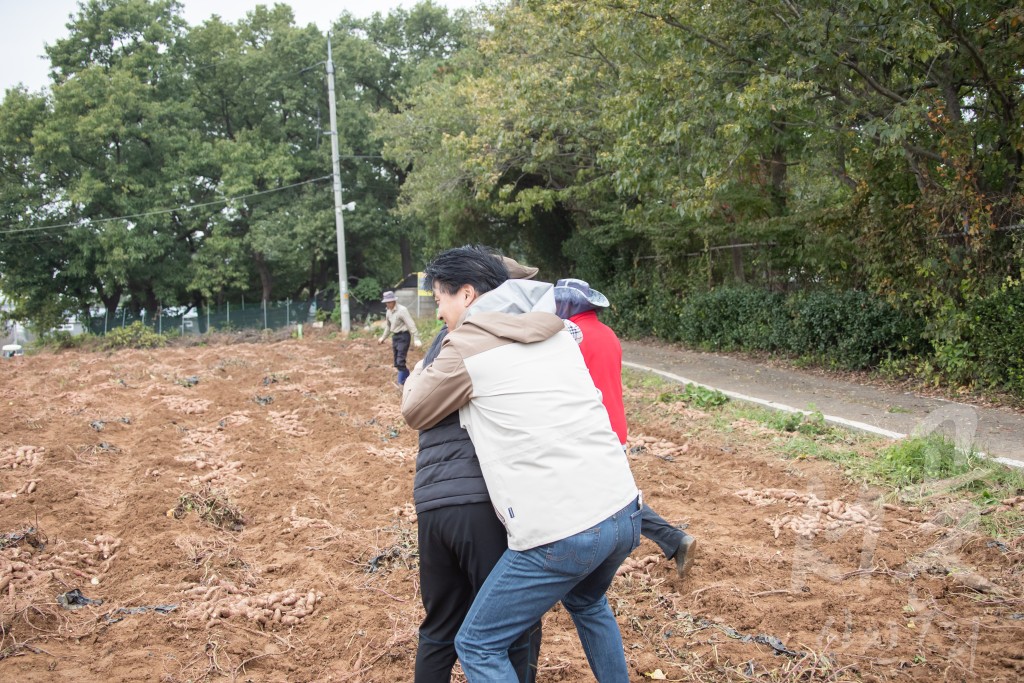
(996,432)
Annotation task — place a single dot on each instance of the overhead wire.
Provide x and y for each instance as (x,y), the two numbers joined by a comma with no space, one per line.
(11,230)
(183,207)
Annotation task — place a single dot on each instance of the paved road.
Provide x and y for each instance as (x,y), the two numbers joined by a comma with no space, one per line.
(997,432)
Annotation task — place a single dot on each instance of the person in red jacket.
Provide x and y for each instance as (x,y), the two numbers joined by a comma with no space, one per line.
(576,302)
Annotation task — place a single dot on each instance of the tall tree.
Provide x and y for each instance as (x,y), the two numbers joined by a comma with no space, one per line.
(510,138)
(29,257)
(380,60)
(101,154)
(257,88)
(836,136)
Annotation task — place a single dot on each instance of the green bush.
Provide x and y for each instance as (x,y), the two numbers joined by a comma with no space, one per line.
(850,329)
(847,329)
(642,309)
(980,342)
(134,336)
(698,396)
(977,343)
(912,461)
(64,340)
(367,289)
(996,339)
(734,319)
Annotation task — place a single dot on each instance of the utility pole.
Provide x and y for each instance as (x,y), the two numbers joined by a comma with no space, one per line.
(339,219)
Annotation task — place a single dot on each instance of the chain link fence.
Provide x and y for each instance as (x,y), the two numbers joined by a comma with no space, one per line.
(266,315)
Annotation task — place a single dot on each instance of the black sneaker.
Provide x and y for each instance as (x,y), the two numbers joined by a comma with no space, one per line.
(684,554)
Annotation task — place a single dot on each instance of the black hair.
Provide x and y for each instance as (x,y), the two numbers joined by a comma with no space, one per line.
(474,265)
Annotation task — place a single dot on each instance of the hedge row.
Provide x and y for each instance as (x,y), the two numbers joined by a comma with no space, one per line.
(983,342)
(991,338)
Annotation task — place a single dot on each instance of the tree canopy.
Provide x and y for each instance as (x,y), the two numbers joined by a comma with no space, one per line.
(649,146)
(170,164)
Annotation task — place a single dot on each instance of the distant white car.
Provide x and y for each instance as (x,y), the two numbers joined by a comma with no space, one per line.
(12,350)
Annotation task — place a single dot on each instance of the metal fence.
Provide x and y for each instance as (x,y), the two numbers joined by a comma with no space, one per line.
(266,315)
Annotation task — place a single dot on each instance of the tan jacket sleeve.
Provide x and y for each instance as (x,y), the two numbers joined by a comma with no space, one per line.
(387,326)
(410,324)
(436,391)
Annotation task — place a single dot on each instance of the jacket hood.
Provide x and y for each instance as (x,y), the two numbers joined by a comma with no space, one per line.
(515,296)
(519,310)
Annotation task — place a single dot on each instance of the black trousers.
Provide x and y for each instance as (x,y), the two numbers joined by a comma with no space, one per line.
(657,528)
(400,347)
(459,546)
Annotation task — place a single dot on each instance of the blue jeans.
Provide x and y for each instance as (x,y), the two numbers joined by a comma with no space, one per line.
(525,584)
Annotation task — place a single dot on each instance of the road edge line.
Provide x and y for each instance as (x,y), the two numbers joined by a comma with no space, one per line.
(852,424)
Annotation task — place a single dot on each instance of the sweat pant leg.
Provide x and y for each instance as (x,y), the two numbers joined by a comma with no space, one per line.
(459,546)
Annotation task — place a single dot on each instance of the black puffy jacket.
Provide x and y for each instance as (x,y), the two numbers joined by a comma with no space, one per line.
(447,470)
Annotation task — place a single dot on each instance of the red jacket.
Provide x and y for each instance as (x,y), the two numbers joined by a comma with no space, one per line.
(603,355)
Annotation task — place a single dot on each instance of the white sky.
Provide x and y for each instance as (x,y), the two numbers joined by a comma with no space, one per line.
(27,25)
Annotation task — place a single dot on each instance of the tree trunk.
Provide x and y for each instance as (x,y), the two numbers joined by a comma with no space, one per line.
(266,279)
(111,301)
(737,261)
(777,168)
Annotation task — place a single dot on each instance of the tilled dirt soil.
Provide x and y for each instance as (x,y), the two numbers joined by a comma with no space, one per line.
(244,512)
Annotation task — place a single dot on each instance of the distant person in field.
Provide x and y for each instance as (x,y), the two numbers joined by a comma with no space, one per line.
(576,302)
(402,328)
(554,469)
(460,537)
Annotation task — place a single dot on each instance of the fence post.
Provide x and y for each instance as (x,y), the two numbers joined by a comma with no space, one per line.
(229,310)
(106,314)
(207,317)
(160,319)
(264,314)
(123,311)
(287,312)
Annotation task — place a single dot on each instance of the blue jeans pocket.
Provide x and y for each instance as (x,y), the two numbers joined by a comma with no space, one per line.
(573,556)
(635,519)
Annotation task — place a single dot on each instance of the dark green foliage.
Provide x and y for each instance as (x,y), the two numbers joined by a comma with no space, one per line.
(134,336)
(701,397)
(845,329)
(642,308)
(850,329)
(989,348)
(733,319)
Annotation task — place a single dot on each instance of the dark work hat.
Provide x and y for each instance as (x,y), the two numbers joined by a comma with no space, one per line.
(518,271)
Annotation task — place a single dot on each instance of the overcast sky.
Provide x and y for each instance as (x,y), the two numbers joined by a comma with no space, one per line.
(27,25)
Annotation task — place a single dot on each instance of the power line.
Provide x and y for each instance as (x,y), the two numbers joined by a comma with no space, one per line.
(184,207)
